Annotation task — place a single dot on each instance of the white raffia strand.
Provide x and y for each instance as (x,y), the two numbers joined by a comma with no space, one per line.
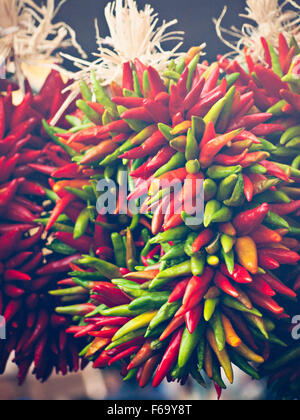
(269,19)
(133,34)
(28,36)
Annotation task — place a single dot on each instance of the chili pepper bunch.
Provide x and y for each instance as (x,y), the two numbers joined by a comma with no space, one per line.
(275,86)
(34,332)
(204,295)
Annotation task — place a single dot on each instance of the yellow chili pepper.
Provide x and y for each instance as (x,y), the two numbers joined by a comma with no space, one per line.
(221,355)
(247,253)
(74,183)
(248,354)
(232,339)
(136,323)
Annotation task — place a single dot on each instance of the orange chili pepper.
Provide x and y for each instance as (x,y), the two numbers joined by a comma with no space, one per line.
(247,253)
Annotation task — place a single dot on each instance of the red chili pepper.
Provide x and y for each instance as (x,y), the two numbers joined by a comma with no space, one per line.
(139,114)
(83,244)
(58,209)
(249,121)
(265,302)
(214,146)
(263,235)
(227,160)
(203,106)
(168,358)
(179,290)
(128,102)
(15,275)
(277,285)
(269,80)
(127,82)
(285,208)
(195,290)
(123,354)
(8,242)
(248,188)
(17,260)
(156,83)
(239,274)
(224,284)
(157,111)
(266,262)
(194,95)
(20,113)
(13,291)
(58,266)
(260,97)
(192,318)
(29,242)
(161,158)
(152,144)
(263,130)
(203,239)
(261,286)
(266,48)
(7,194)
(17,213)
(247,221)
(283,256)
(292,98)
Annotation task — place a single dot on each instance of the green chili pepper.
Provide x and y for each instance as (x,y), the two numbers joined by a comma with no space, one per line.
(129,287)
(198,127)
(122,310)
(227,242)
(218,329)
(242,364)
(153,300)
(167,311)
(171,74)
(229,260)
(174,234)
(223,215)
(209,308)
(181,269)
(226,187)
(200,354)
(192,68)
(126,337)
(210,189)
(74,121)
(81,224)
(217,378)
(192,166)
(176,161)
(210,209)
(197,265)
(175,251)
(215,111)
(85,91)
(90,113)
(220,172)
(192,148)
(189,343)
(51,133)
(276,66)
(275,220)
(102,97)
(234,304)
(189,242)
(238,197)
(107,269)
(61,248)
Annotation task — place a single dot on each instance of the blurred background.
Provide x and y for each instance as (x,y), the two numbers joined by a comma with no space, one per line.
(195,18)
